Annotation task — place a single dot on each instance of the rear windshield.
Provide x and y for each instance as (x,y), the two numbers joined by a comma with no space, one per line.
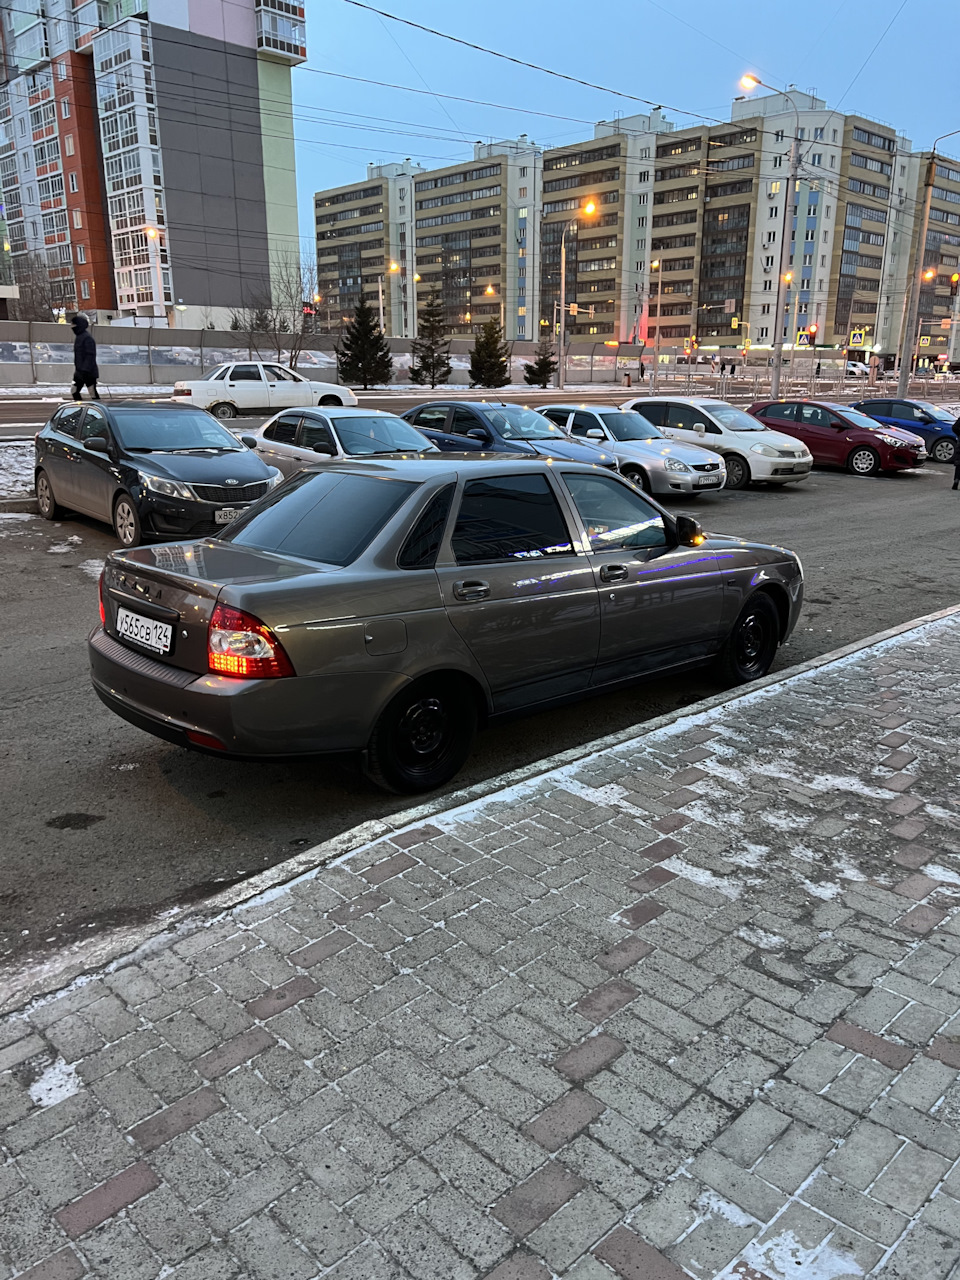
(321,516)
(163,430)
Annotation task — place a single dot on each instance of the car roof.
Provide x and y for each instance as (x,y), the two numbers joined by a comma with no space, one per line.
(344,411)
(425,468)
(705,401)
(152,405)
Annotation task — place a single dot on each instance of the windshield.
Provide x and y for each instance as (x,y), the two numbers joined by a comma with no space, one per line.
(858,419)
(515,423)
(628,425)
(163,430)
(361,436)
(213,374)
(937,411)
(733,418)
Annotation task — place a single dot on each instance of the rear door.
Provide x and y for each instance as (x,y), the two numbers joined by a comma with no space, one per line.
(432,421)
(285,389)
(681,421)
(659,603)
(783,417)
(821,431)
(95,473)
(519,593)
(247,387)
(278,444)
(60,451)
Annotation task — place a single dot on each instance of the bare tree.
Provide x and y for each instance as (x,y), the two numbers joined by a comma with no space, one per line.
(279,313)
(37,294)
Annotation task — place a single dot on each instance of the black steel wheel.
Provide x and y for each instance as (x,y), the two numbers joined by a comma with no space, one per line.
(752,643)
(423,738)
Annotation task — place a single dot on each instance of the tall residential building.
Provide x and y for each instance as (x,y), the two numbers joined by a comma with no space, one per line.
(146,153)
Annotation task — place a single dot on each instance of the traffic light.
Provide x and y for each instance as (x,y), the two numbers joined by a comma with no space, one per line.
(954,283)
(734,322)
(696,344)
(686,345)
(813,332)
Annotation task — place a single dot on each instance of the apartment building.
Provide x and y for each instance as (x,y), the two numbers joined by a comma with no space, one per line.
(146,153)
(938,328)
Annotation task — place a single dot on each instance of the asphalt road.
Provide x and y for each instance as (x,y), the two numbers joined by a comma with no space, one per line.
(104,825)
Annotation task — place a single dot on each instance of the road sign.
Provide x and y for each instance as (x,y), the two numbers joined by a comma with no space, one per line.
(730,306)
(803,338)
(925,340)
(858,337)
(945,322)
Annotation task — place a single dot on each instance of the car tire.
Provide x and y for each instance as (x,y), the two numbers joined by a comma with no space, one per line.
(944,450)
(863,461)
(126,521)
(423,737)
(751,646)
(637,476)
(330,400)
(47,504)
(738,471)
(223,411)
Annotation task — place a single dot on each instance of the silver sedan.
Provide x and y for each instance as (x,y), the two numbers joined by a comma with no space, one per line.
(299,438)
(644,454)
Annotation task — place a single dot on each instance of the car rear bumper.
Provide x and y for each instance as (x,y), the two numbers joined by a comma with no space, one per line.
(294,716)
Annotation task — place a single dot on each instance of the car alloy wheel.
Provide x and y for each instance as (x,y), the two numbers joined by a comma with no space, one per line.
(126,522)
(945,450)
(738,472)
(864,461)
(223,411)
(752,643)
(637,476)
(423,737)
(46,502)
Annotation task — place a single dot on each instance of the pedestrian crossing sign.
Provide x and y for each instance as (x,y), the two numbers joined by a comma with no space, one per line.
(858,337)
(803,337)
(925,340)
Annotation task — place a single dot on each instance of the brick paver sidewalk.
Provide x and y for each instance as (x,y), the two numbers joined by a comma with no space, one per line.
(688,1007)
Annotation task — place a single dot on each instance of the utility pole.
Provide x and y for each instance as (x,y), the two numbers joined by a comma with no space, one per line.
(588,210)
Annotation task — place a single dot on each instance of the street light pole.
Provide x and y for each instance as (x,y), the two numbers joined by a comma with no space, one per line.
(655,266)
(749,82)
(913,304)
(589,209)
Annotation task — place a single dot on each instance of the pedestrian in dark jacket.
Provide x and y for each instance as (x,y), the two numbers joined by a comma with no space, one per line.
(956,473)
(85,371)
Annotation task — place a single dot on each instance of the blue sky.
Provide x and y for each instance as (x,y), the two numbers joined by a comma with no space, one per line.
(684,55)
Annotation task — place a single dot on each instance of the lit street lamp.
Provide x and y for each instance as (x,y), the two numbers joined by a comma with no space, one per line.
(394,268)
(655,266)
(748,83)
(588,211)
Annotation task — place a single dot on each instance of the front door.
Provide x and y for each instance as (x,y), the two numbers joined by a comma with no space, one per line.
(659,603)
(286,391)
(522,598)
(314,430)
(95,473)
(682,421)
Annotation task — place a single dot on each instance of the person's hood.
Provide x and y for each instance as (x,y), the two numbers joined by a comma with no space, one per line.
(79,324)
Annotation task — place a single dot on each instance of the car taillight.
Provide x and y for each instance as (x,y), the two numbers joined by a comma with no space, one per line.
(183,391)
(238,644)
(103,611)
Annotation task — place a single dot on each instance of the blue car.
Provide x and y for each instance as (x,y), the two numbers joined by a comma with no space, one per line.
(500,428)
(936,425)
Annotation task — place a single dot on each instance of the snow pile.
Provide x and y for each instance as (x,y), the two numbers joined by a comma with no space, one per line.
(16,470)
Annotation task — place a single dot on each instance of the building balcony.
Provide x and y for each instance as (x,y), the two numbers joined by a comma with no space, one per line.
(281,34)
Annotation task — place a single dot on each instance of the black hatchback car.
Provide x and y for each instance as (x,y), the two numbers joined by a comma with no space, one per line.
(147,468)
(501,428)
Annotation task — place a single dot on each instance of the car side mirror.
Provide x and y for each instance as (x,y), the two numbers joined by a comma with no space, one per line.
(594,433)
(249,441)
(700,428)
(97,444)
(478,433)
(689,532)
(323,447)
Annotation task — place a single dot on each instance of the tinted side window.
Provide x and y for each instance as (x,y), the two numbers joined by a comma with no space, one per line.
(559,416)
(423,541)
(246,373)
(434,417)
(584,422)
(781,412)
(613,515)
(280,375)
(509,518)
(880,409)
(655,413)
(94,424)
(284,430)
(314,431)
(464,420)
(682,418)
(67,420)
(813,416)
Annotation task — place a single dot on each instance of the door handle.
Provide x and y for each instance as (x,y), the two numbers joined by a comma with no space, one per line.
(471,589)
(614,573)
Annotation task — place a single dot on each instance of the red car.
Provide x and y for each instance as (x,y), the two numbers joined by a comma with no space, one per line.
(840,436)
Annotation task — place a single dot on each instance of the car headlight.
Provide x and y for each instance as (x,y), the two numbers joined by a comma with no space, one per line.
(274,479)
(766,450)
(674,464)
(892,440)
(168,488)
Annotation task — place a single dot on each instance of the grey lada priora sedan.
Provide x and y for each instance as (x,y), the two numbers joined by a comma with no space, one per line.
(390,607)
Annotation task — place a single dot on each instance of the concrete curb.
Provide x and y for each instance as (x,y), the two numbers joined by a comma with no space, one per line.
(19,987)
(26,503)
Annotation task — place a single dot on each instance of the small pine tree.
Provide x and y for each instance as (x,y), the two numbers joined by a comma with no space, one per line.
(544,365)
(431,349)
(490,357)
(364,356)
(236,323)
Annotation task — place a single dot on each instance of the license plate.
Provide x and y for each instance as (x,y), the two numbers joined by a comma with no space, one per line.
(708,480)
(145,631)
(801,466)
(225,515)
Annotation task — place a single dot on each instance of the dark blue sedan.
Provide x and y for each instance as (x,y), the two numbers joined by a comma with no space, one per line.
(500,428)
(935,425)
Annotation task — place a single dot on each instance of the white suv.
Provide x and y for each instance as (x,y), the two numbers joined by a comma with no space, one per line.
(750,449)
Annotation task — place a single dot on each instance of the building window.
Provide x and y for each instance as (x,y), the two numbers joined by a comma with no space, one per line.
(773,188)
(817,159)
(765,309)
(768,286)
(778,162)
(84,288)
(521,311)
(77,218)
(828,211)
(522,213)
(778,136)
(768,260)
(810,234)
(763,332)
(81,253)
(72,180)
(823,259)
(808,259)
(62,70)
(68,144)
(523,171)
(771,237)
(801,133)
(522,193)
(817,134)
(834,135)
(773,211)
(65,108)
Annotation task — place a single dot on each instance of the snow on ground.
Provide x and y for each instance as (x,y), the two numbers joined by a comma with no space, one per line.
(16,470)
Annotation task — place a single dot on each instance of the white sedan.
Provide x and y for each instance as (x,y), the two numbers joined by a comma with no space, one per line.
(257,387)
